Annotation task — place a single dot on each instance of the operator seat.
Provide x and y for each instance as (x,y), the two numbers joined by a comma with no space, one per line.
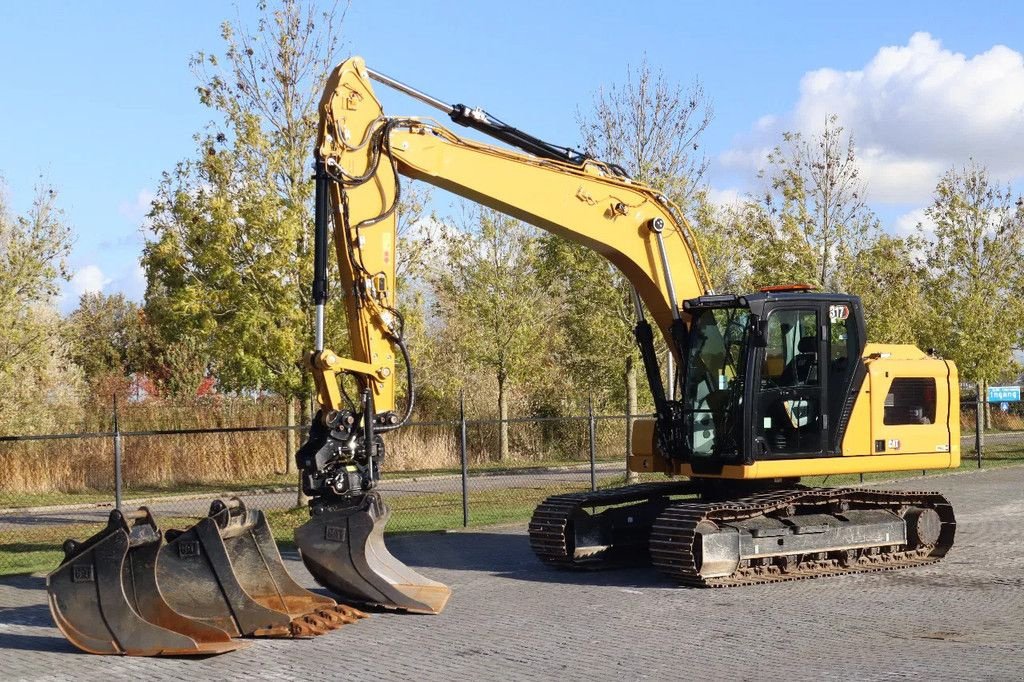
(803,368)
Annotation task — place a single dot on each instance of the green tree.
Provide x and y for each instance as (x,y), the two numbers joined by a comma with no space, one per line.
(33,368)
(229,260)
(104,335)
(891,281)
(812,218)
(976,272)
(496,315)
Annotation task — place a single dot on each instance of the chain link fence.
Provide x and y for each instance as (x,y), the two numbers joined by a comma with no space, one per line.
(439,474)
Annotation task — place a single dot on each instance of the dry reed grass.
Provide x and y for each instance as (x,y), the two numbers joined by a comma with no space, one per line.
(169,461)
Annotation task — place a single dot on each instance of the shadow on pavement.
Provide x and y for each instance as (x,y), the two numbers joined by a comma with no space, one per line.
(53,645)
(33,615)
(508,555)
(22,582)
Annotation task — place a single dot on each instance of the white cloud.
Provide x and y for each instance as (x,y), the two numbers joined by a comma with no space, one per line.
(915,110)
(88,280)
(908,222)
(728,196)
(137,209)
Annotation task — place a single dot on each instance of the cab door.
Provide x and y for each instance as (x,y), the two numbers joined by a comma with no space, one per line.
(789,408)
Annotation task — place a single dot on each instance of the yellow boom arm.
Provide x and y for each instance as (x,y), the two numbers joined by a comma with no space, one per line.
(632,226)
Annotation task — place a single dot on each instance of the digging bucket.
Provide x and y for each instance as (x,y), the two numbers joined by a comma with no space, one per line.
(105,600)
(261,572)
(344,550)
(199,581)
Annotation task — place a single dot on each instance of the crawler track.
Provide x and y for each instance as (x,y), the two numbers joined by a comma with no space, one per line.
(674,537)
(551,529)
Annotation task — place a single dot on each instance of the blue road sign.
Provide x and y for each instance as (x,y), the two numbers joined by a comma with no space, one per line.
(1004,394)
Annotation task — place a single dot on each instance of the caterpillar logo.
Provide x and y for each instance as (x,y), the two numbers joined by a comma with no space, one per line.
(82,573)
(187,550)
(334,533)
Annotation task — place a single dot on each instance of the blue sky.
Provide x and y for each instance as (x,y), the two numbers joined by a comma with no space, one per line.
(98,98)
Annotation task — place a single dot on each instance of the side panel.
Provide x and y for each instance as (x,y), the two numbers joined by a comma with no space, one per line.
(910,407)
(953,380)
(643,457)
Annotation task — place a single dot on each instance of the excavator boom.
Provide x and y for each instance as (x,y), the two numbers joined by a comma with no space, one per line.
(360,156)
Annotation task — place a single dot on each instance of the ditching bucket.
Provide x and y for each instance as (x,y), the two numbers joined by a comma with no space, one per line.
(344,550)
(226,571)
(105,600)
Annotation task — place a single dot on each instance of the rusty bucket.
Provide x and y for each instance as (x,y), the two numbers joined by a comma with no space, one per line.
(105,600)
(344,550)
(260,570)
(226,571)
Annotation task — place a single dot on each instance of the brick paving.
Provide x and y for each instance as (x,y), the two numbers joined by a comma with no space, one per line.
(512,619)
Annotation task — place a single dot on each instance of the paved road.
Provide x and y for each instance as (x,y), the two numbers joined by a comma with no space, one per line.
(197,506)
(512,619)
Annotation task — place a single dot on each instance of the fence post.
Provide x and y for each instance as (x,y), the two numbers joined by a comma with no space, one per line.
(117,459)
(592,437)
(979,430)
(465,459)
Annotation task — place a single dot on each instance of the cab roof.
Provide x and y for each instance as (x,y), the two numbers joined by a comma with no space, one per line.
(756,301)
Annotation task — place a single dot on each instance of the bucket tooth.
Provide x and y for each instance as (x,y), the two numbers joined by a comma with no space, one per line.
(344,550)
(105,600)
(261,572)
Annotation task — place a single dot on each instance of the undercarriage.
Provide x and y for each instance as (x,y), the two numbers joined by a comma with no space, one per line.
(790,532)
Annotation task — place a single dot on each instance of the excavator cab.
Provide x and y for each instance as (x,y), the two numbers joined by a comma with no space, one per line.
(767,376)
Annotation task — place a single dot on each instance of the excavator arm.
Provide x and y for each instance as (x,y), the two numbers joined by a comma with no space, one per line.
(360,156)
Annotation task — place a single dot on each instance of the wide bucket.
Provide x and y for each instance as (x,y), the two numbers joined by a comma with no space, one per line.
(344,550)
(105,600)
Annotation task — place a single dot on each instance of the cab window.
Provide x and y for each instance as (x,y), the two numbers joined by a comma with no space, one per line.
(791,355)
(910,401)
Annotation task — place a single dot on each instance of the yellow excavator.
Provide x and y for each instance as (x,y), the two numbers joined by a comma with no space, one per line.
(776,385)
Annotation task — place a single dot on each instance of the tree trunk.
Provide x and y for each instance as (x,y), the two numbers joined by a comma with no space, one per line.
(289,455)
(631,476)
(503,418)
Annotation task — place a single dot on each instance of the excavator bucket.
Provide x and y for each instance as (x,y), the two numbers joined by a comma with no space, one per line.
(260,570)
(104,597)
(344,550)
(226,571)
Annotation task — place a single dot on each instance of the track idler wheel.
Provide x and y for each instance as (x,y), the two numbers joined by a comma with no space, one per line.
(344,550)
(105,600)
